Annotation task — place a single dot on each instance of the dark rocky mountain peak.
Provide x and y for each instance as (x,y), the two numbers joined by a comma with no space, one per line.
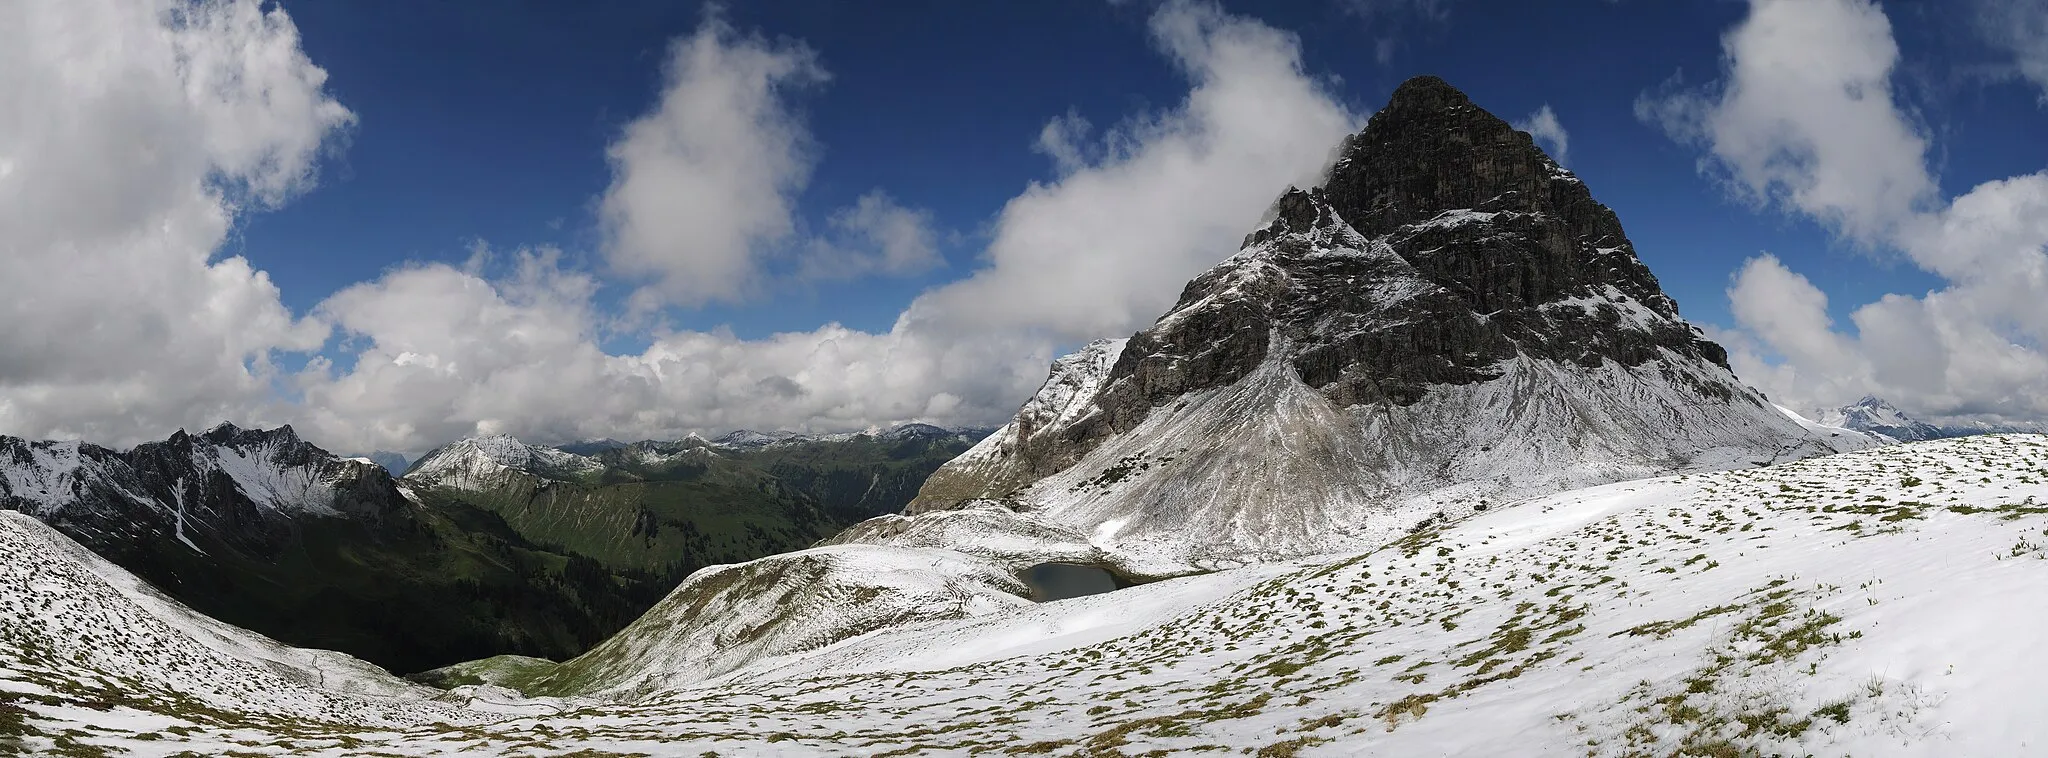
(1449,315)
(229,435)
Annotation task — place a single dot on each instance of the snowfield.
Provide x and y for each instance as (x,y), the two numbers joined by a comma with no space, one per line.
(1881,602)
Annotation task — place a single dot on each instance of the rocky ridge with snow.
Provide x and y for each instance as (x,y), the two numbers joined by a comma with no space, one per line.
(237,486)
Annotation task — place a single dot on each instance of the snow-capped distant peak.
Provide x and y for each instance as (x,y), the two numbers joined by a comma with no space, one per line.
(474,459)
(748,438)
(915,431)
(1874,415)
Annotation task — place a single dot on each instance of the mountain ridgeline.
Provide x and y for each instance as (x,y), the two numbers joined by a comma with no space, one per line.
(491,547)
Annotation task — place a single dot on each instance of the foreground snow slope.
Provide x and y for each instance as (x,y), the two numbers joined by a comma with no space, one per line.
(85,641)
(1869,603)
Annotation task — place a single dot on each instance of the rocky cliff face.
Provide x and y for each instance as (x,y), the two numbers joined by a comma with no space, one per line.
(1451,319)
(237,486)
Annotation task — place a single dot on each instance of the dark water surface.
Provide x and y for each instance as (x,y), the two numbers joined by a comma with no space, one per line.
(1060,581)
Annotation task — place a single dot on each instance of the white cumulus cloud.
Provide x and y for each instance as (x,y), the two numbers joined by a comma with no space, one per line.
(1806,119)
(135,134)
(445,352)
(703,182)
(704,190)
(1105,248)
(1548,132)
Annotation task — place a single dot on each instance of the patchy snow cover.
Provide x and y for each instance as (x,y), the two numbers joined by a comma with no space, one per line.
(92,488)
(1459,217)
(725,617)
(1863,604)
(260,474)
(83,641)
(748,439)
(989,531)
(1848,605)
(1268,469)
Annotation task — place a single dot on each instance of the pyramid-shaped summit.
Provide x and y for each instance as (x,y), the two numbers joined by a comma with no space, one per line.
(1449,321)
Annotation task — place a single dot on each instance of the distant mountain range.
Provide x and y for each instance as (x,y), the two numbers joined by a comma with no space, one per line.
(1874,415)
(489,546)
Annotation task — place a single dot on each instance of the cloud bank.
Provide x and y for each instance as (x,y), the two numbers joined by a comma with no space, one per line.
(1805,119)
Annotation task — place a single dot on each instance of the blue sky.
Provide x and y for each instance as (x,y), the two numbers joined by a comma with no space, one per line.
(824,216)
(493,125)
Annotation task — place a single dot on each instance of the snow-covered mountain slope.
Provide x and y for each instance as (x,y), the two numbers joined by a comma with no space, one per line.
(992,465)
(483,462)
(87,649)
(1449,321)
(748,438)
(1862,604)
(277,470)
(987,531)
(89,486)
(1874,415)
